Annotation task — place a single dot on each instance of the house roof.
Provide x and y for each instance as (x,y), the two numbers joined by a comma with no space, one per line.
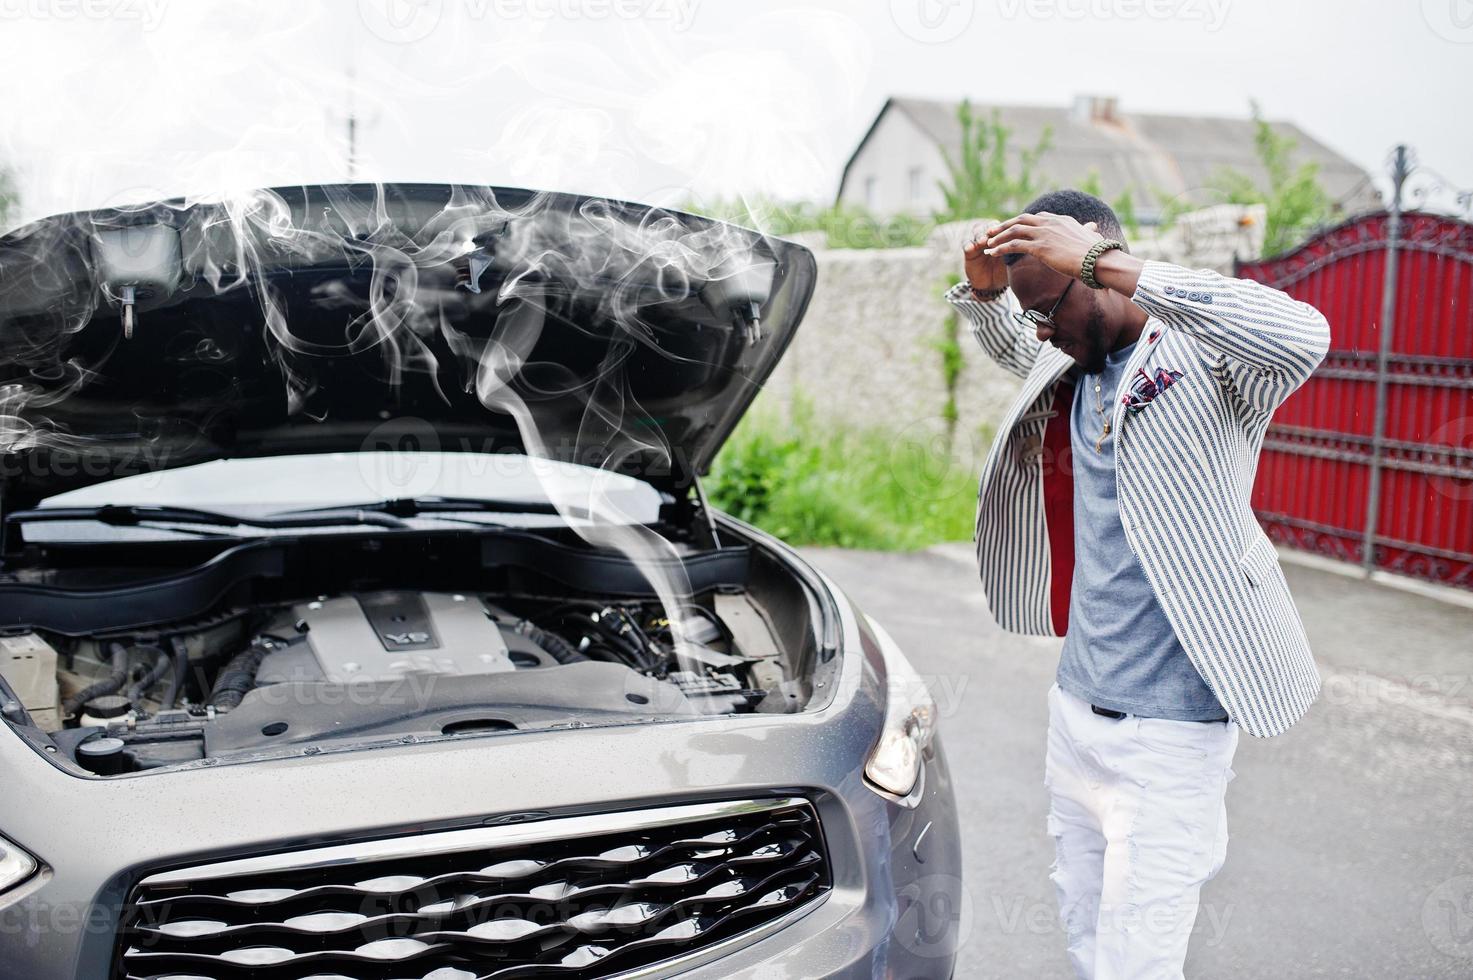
(1158,157)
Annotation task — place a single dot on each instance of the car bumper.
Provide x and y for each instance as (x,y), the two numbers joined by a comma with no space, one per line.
(892,910)
(902,922)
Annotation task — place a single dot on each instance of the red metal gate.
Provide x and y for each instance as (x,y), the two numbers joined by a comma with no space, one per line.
(1377,447)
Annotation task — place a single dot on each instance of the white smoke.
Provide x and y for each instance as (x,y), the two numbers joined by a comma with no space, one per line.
(414,286)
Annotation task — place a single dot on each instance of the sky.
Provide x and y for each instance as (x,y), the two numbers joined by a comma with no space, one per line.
(115,101)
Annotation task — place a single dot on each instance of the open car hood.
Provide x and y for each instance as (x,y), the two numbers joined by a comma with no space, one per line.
(370,317)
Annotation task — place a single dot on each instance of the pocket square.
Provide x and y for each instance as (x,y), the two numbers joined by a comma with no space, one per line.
(1144,387)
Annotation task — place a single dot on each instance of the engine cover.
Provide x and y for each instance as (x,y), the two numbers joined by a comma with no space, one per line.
(383,636)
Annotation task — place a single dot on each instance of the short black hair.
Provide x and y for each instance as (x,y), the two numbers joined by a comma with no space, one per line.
(1078,205)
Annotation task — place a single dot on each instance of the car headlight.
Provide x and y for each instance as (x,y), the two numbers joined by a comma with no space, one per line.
(894,766)
(15,865)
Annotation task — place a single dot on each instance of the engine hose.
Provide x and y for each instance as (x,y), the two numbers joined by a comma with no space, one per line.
(640,642)
(237,677)
(181,671)
(161,666)
(111,684)
(556,647)
(630,650)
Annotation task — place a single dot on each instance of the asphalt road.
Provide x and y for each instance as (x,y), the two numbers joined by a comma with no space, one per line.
(1352,834)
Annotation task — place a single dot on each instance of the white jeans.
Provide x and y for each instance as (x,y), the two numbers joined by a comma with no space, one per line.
(1139,823)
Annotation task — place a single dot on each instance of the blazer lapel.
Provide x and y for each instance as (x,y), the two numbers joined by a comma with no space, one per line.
(1050,366)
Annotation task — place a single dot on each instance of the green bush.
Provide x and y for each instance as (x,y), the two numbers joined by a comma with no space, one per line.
(817,482)
(843,225)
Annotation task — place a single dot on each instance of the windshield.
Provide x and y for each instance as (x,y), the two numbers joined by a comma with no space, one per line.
(283,484)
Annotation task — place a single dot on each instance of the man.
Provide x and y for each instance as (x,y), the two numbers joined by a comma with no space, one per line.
(1114,510)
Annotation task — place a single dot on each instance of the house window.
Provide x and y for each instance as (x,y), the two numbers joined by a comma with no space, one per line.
(871,189)
(914,179)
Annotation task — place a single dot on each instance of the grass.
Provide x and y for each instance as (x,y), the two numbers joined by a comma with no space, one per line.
(812,481)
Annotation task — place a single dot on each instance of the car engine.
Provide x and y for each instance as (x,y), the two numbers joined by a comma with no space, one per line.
(388,665)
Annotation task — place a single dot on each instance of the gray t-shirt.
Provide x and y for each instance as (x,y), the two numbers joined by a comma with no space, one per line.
(1120,651)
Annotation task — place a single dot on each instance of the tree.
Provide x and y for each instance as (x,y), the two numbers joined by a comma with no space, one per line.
(1091,183)
(982,184)
(1295,202)
(9,197)
(1123,205)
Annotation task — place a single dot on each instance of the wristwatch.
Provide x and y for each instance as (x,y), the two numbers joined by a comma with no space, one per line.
(1087,268)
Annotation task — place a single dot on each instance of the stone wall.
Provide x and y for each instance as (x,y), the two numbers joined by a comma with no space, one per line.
(867,352)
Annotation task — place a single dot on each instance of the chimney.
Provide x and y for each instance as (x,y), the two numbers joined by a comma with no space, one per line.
(1095,109)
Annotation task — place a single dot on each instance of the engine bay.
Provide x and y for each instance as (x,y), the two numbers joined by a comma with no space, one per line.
(390,665)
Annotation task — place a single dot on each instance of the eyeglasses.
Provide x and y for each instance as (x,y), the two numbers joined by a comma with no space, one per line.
(1033,319)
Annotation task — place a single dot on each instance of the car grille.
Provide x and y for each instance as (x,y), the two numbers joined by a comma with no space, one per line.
(584,896)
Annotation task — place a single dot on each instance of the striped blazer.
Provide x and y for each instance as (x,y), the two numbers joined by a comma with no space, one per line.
(1231,351)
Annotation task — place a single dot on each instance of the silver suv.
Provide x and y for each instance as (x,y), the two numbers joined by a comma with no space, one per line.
(361,614)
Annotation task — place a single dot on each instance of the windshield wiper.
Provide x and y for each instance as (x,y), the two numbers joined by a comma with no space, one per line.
(383,513)
(420,506)
(134,515)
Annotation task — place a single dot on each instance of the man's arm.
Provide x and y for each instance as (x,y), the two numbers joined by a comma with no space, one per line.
(983,298)
(995,330)
(1270,341)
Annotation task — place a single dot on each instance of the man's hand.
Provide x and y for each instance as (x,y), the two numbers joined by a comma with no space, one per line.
(1057,240)
(1060,242)
(986,273)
